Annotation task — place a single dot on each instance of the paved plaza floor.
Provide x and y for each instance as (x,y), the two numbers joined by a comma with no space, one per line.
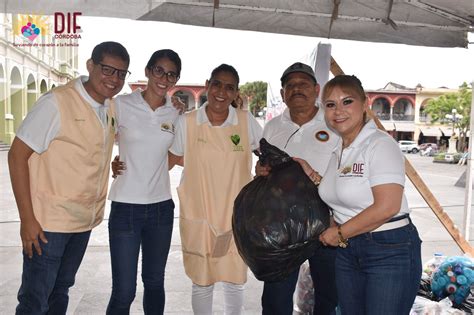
(93,284)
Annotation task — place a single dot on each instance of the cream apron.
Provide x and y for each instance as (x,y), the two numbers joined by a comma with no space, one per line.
(217,163)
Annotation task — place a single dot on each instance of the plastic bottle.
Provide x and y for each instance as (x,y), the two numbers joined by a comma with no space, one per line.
(439,258)
(432,264)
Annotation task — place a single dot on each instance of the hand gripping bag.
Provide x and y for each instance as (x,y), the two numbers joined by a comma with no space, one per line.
(277,219)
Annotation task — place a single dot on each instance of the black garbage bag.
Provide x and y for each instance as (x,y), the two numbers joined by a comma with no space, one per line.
(277,219)
(425,289)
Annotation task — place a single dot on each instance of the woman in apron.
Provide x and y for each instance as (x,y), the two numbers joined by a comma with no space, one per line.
(214,143)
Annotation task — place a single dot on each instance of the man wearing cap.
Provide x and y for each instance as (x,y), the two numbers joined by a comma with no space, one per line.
(301,131)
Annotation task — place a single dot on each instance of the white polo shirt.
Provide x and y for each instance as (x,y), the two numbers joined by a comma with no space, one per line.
(374,158)
(144,137)
(255,130)
(313,141)
(42,124)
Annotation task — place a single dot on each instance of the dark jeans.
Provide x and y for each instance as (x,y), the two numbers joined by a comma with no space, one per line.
(46,279)
(277,298)
(132,225)
(379,273)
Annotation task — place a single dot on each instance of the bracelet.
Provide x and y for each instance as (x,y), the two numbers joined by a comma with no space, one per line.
(315,180)
(343,242)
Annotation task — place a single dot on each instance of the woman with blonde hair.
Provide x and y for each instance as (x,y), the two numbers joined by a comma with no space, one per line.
(378,262)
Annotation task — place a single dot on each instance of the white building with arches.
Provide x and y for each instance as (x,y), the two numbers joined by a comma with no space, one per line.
(26,72)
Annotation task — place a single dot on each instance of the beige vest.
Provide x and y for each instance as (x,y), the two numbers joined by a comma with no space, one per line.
(217,164)
(69,180)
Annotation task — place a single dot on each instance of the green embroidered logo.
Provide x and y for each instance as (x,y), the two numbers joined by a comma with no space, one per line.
(235,139)
(112,122)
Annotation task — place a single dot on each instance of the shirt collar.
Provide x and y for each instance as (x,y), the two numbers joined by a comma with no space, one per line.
(201,116)
(369,128)
(318,117)
(79,86)
(142,101)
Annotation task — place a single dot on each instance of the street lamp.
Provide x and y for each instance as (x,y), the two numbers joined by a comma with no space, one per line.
(454,117)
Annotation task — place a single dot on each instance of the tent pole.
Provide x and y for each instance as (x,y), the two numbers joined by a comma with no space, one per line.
(421,186)
(468,191)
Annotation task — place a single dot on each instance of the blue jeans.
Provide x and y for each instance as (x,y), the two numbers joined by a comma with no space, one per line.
(46,279)
(379,273)
(277,298)
(132,225)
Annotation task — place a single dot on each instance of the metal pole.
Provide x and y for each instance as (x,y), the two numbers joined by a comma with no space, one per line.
(468,191)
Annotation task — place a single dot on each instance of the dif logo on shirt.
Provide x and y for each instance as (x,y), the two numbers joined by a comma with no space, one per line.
(354,170)
(358,168)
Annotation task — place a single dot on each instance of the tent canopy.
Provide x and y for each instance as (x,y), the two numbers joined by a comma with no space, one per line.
(438,23)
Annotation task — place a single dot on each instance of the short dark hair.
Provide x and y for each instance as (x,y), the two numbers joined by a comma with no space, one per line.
(226,68)
(165,53)
(109,48)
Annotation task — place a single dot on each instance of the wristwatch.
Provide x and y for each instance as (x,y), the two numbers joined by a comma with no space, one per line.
(342,242)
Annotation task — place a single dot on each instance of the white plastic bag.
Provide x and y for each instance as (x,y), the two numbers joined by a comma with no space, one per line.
(423,306)
(304,293)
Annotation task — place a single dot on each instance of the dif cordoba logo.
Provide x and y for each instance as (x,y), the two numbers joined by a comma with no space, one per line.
(30,31)
(66,27)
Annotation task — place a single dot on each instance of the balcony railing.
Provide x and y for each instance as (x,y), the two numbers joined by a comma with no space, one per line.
(383,116)
(403,117)
(424,118)
(395,116)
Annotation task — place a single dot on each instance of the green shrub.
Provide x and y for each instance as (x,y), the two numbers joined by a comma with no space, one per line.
(439,156)
(442,156)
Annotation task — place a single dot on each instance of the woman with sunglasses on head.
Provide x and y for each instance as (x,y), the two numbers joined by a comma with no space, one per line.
(142,210)
(378,262)
(215,142)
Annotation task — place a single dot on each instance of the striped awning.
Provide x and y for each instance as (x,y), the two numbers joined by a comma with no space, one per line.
(388,125)
(447,131)
(406,127)
(431,131)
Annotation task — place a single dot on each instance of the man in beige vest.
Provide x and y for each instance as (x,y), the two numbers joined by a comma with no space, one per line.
(59,166)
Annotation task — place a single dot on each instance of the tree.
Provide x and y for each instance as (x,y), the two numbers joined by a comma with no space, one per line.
(443,105)
(256,94)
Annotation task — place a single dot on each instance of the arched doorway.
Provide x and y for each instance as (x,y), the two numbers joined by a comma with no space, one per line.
(16,100)
(403,110)
(381,108)
(3,107)
(31,92)
(424,117)
(43,87)
(187,98)
(202,98)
